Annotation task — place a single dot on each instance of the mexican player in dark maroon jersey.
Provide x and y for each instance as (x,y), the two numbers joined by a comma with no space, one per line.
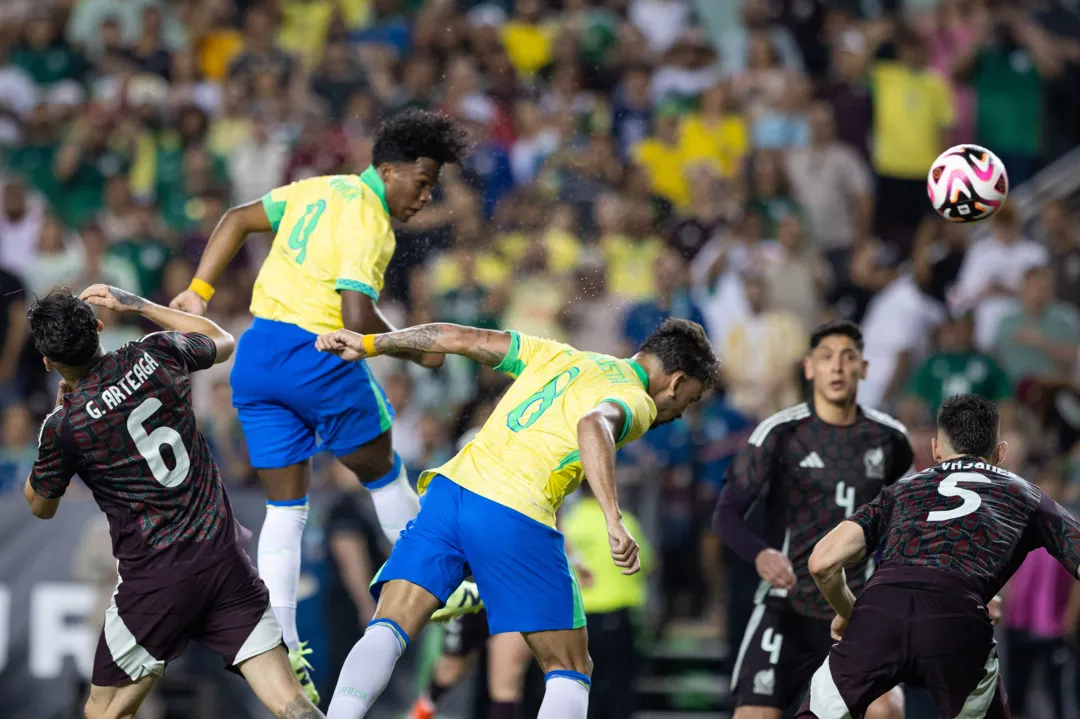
(123,423)
(950,538)
(811,465)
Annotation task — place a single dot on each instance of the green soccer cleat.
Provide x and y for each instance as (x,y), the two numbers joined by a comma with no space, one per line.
(302,669)
(465,600)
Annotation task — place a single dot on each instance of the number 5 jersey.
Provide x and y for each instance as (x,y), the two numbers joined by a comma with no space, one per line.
(128,430)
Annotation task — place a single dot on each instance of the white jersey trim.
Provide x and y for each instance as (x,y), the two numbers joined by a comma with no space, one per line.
(41,431)
(791,414)
(882,418)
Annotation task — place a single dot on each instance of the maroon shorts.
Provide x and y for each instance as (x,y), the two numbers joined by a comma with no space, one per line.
(226,608)
(465,634)
(933,638)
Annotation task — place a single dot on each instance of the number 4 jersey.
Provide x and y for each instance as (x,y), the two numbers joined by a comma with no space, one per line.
(809,476)
(968,518)
(526,455)
(128,430)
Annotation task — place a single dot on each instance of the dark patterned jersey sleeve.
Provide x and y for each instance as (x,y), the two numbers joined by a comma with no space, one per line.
(53,468)
(1059,533)
(192,350)
(747,480)
(903,458)
(873,517)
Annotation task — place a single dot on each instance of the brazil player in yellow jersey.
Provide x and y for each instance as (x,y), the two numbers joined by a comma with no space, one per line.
(333,241)
(491,509)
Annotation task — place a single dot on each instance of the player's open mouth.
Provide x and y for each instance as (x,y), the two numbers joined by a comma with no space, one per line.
(838,384)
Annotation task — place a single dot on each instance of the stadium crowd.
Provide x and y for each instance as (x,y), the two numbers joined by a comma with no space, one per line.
(633,160)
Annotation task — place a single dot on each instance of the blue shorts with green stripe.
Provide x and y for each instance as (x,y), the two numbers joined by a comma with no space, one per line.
(520,565)
(290,397)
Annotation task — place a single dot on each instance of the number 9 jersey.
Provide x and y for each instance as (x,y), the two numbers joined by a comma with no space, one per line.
(525,457)
(128,430)
(332,233)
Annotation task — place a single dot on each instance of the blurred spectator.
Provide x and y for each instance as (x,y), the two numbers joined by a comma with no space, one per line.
(662,22)
(632,109)
(527,40)
(21,218)
(1062,234)
(670,298)
(848,91)
(258,164)
(737,43)
(260,54)
(99,265)
(956,368)
(226,437)
(1036,599)
(536,296)
(707,211)
(782,122)
(912,112)
(144,251)
(399,393)
(762,84)
(1040,338)
(770,194)
(13,335)
(17,447)
(535,142)
(715,134)
(992,272)
(662,157)
(130,15)
(761,354)
(833,185)
(799,280)
(589,315)
(321,148)
(45,55)
(856,285)
(957,33)
(940,249)
(632,253)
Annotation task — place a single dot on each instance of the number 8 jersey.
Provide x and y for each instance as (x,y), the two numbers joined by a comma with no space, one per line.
(526,455)
(128,430)
(969,518)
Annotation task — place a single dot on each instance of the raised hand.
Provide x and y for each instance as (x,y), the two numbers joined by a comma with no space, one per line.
(624,549)
(188,301)
(346,344)
(112,298)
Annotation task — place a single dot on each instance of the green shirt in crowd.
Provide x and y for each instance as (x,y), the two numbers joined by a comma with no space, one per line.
(1009,100)
(944,375)
(148,256)
(1058,322)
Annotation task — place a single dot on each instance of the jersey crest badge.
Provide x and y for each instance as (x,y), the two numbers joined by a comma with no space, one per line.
(765,682)
(874,461)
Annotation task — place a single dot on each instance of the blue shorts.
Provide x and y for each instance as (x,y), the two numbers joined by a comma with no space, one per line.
(520,565)
(290,396)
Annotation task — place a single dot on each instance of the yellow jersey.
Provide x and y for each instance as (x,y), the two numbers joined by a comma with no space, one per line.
(526,455)
(332,233)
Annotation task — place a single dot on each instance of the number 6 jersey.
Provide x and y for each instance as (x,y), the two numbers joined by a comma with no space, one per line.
(128,430)
(526,455)
(810,476)
(969,518)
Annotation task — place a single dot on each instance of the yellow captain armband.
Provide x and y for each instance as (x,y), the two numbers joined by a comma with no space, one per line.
(202,289)
(369,346)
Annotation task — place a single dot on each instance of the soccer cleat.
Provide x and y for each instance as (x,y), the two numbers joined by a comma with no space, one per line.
(422,709)
(302,669)
(465,600)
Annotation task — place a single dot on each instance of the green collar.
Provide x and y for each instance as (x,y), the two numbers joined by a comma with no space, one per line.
(640,372)
(371,179)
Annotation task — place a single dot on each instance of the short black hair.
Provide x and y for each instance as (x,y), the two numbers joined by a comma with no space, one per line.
(416,133)
(683,346)
(64,328)
(970,424)
(847,328)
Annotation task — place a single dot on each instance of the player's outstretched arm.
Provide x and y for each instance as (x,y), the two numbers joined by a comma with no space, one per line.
(844,544)
(487,347)
(225,241)
(596,445)
(360,314)
(114,298)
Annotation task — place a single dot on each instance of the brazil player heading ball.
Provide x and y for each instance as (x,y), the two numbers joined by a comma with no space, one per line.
(949,537)
(491,509)
(333,241)
(123,422)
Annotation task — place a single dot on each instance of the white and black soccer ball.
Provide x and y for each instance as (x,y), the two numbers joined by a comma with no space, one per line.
(967,183)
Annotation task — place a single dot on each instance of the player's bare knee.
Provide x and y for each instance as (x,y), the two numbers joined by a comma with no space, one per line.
(888,706)
(371,461)
(408,605)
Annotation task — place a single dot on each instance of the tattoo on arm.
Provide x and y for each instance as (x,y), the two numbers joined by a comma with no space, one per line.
(127,298)
(476,344)
(300,708)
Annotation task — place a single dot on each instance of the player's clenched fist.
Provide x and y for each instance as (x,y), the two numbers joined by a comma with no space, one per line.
(112,298)
(838,627)
(188,301)
(624,549)
(775,568)
(347,345)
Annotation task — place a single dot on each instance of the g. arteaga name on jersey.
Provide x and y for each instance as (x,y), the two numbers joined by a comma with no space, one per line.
(113,395)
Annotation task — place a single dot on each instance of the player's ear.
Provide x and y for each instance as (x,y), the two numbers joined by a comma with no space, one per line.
(865,367)
(935,449)
(49,366)
(999,452)
(807,368)
(100,327)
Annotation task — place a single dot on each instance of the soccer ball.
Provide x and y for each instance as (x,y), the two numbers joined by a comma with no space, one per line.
(967,183)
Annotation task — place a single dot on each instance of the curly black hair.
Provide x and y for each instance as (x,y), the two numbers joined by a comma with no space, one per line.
(683,346)
(416,133)
(970,423)
(64,328)
(847,328)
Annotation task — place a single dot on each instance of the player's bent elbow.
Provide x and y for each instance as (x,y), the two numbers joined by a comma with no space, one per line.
(44,509)
(820,564)
(226,345)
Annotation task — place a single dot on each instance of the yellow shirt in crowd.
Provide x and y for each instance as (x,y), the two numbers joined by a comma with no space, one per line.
(912,110)
(722,146)
(610,589)
(332,233)
(528,45)
(665,166)
(630,265)
(526,457)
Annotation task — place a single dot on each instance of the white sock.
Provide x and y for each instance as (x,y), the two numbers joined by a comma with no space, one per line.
(279,562)
(396,502)
(367,670)
(566,696)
